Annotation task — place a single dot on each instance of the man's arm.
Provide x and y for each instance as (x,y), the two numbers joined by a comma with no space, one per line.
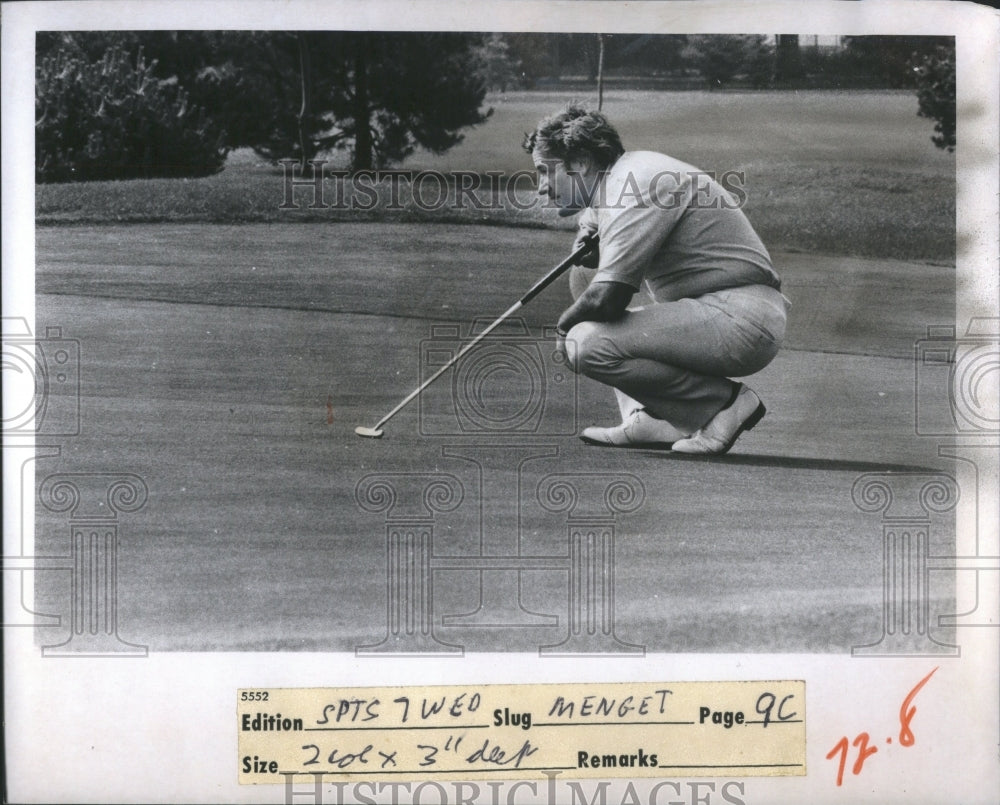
(602,301)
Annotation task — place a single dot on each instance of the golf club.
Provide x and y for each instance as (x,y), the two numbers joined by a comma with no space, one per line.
(588,244)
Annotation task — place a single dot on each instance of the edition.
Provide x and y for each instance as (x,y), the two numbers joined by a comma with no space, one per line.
(265,722)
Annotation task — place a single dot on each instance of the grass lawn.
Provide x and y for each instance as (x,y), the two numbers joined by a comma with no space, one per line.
(851,173)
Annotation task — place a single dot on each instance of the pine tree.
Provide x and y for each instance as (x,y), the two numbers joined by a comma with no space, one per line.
(377,96)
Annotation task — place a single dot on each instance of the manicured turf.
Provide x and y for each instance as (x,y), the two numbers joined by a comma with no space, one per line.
(228,366)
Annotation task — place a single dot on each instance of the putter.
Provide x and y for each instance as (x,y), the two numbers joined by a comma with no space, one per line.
(588,244)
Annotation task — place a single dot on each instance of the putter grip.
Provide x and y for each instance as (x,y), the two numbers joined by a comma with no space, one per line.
(588,244)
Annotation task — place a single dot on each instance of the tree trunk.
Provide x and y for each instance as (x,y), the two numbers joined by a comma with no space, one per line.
(600,71)
(555,69)
(362,111)
(306,150)
(787,59)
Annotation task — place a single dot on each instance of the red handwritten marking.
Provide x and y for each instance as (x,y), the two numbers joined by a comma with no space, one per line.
(905,715)
(864,752)
(841,747)
(906,738)
(329,410)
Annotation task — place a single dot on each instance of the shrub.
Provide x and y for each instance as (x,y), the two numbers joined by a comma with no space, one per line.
(113,119)
(935,77)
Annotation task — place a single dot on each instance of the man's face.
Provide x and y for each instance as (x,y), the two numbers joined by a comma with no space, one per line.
(568,186)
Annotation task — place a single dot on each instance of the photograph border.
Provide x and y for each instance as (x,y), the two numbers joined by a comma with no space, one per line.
(163,725)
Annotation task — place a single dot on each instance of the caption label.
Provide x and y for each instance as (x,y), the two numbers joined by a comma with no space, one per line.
(513,731)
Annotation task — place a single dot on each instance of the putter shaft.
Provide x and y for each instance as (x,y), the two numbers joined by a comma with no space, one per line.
(413,394)
(535,289)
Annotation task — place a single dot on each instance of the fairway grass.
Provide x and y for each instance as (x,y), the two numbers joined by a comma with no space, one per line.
(844,173)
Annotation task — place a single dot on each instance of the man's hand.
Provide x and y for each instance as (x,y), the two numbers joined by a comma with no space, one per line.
(602,301)
(587,229)
(592,258)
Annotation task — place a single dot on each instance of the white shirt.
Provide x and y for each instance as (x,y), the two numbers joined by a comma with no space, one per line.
(669,224)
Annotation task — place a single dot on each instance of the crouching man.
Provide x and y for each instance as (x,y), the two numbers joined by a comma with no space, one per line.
(717,310)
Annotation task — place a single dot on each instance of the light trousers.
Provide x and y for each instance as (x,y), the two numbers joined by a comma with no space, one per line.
(675,358)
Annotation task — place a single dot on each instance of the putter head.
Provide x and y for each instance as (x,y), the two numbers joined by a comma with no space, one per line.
(368,433)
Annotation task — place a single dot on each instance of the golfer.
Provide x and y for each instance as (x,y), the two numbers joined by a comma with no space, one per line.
(717,310)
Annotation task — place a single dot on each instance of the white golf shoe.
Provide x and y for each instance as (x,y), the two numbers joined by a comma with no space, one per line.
(745,411)
(639,430)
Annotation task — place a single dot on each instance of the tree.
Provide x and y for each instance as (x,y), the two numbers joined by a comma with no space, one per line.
(112,118)
(645,53)
(935,78)
(787,59)
(206,65)
(499,68)
(886,60)
(760,61)
(265,87)
(378,96)
(720,58)
(408,91)
(531,51)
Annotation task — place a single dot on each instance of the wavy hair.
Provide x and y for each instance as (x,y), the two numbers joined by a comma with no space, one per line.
(573,133)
